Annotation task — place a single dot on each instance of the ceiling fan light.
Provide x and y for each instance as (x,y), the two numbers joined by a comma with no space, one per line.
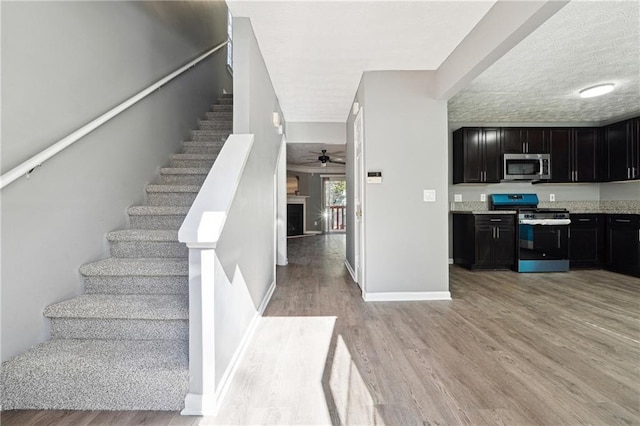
(323,164)
(599,90)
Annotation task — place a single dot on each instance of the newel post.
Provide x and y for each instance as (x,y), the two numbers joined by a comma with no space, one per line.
(201,399)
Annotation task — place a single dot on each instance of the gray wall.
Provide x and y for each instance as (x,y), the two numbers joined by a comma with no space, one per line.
(405,137)
(63,64)
(311,184)
(247,243)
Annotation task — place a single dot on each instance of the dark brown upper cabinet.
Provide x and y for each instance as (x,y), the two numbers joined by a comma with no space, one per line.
(531,140)
(622,150)
(574,154)
(476,155)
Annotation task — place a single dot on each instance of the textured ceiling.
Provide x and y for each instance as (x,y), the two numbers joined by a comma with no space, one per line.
(316,51)
(306,154)
(584,44)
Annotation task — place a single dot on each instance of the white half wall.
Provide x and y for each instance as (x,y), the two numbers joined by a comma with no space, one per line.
(64,64)
(247,246)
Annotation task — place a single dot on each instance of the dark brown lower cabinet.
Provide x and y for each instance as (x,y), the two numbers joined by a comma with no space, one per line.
(587,241)
(484,241)
(623,244)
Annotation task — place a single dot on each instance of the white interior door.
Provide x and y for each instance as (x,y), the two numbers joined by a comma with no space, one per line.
(359,199)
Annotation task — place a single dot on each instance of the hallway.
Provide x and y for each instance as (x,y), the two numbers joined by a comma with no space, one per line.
(555,348)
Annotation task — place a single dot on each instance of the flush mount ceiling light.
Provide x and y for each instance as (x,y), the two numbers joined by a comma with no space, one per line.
(599,90)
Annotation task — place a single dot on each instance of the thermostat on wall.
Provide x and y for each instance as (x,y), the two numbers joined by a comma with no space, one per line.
(374,177)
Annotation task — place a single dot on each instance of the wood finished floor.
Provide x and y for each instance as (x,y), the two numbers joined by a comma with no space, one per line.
(513,349)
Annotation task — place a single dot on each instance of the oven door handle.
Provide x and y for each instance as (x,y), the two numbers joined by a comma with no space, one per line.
(545,222)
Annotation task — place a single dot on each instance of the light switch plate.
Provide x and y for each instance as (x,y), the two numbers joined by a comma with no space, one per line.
(457,198)
(429,195)
(552,197)
(483,197)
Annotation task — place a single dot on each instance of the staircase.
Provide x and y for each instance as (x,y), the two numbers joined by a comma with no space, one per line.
(123,345)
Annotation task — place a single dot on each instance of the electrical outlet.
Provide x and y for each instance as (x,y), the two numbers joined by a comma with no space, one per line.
(315,223)
(552,197)
(483,197)
(457,198)
(429,195)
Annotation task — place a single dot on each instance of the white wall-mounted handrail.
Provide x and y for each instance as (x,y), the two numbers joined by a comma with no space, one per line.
(37,160)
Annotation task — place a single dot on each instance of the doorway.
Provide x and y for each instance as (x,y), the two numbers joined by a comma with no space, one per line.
(334,194)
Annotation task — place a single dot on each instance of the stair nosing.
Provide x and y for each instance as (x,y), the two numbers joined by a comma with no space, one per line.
(101,307)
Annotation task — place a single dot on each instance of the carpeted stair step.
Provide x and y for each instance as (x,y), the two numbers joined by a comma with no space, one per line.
(225,101)
(157,217)
(132,243)
(220,125)
(210,135)
(202,147)
(98,375)
(171,195)
(118,316)
(222,108)
(184,175)
(193,160)
(219,115)
(137,276)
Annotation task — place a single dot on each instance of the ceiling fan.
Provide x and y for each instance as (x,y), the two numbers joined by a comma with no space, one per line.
(324,159)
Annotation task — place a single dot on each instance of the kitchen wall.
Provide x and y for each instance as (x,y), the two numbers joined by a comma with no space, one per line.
(563,192)
(591,192)
(311,184)
(620,191)
(64,64)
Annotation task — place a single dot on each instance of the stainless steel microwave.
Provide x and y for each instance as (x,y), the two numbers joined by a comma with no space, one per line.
(527,166)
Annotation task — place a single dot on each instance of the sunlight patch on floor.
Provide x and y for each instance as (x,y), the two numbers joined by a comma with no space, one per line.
(350,395)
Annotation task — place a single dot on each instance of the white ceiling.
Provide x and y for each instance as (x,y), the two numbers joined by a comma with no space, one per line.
(584,44)
(316,51)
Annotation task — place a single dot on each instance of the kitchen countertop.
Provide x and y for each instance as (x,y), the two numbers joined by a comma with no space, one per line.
(574,207)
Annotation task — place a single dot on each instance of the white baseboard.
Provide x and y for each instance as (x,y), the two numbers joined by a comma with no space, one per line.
(192,401)
(351,271)
(406,296)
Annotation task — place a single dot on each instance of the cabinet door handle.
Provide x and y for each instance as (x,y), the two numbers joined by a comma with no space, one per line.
(623,220)
(584,220)
(498,232)
(558,238)
(628,173)
(495,220)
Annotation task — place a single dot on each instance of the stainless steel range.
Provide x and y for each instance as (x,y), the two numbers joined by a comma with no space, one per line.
(542,235)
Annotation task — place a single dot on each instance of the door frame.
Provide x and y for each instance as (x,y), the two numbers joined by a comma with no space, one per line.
(358,200)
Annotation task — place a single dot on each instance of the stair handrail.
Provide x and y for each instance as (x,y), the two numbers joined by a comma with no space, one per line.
(32,163)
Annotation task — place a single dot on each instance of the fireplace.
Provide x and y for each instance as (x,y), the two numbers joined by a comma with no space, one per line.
(295,219)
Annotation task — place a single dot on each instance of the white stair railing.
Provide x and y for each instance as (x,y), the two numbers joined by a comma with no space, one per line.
(28,166)
(201,231)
